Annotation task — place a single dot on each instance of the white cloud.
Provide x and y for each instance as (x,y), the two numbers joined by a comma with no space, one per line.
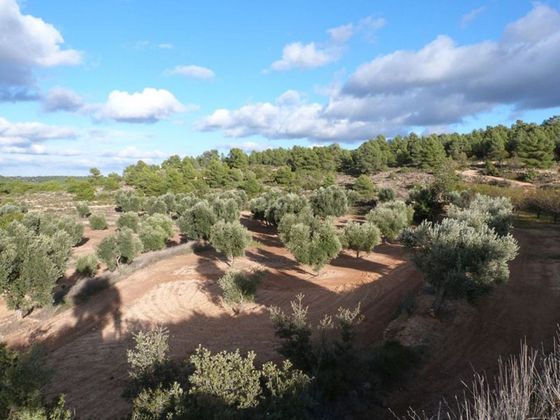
(469,17)
(25,133)
(132,152)
(247,146)
(299,55)
(196,72)
(26,43)
(148,106)
(437,85)
(61,99)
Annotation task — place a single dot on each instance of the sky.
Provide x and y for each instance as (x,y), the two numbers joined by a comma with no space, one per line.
(105,83)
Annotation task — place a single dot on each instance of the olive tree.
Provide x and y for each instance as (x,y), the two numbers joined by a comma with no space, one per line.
(457,258)
(360,237)
(122,247)
(98,222)
(49,224)
(284,204)
(314,242)
(153,205)
(83,209)
(226,209)
(197,221)
(130,220)
(496,212)
(30,264)
(329,201)
(391,217)
(239,288)
(231,239)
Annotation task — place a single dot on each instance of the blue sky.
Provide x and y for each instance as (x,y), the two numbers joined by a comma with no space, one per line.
(109,82)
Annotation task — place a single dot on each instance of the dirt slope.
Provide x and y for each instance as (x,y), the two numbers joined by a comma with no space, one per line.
(528,306)
(87,344)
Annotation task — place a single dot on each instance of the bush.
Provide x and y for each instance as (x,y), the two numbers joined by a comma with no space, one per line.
(282,205)
(239,288)
(120,248)
(130,220)
(197,221)
(97,222)
(391,218)
(83,209)
(30,264)
(360,237)
(226,209)
(153,238)
(458,259)
(107,251)
(87,265)
(49,224)
(490,169)
(162,222)
(150,352)
(155,205)
(128,201)
(386,194)
(365,187)
(231,239)
(314,243)
(329,201)
(496,212)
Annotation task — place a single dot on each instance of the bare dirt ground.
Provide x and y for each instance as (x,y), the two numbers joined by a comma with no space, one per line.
(527,307)
(473,175)
(87,344)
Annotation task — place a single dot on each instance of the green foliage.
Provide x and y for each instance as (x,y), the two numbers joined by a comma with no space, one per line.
(22,376)
(426,153)
(82,190)
(231,239)
(490,169)
(107,251)
(196,222)
(155,205)
(128,201)
(496,212)
(239,288)
(313,243)
(281,205)
(536,148)
(10,213)
(331,358)
(391,218)
(130,220)
(87,265)
(49,224)
(83,209)
(122,247)
(30,264)
(329,201)
(372,156)
(155,231)
(98,222)
(386,194)
(159,403)
(457,258)
(226,209)
(149,353)
(360,237)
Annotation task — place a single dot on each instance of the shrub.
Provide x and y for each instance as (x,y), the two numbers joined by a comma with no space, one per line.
(129,246)
(49,224)
(107,251)
(360,237)
(231,239)
(329,201)
(153,238)
(314,244)
(30,264)
(365,187)
(386,194)
(162,222)
(197,221)
(97,222)
(282,205)
(239,288)
(150,351)
(128,201)
(130,220)
(153,205)
(496,212)
(490,169)
(87,264)
(457,259)
(83,209)
(391,218)
(226,209)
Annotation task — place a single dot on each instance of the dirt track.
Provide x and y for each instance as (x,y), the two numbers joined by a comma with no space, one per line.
(87,344)
(527,307)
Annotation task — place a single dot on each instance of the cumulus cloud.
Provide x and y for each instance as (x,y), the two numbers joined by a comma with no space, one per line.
(23,133)
(193,71)
(42,48)
(438,85)
(299,55)
(148,106)
(61,99)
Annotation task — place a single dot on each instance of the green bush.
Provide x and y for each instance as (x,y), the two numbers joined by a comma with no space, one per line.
(496,212)
(391,218)
(122,247)
(196,222)
(386,194)
(231,239)
(153,238)
(130,220)
(98,222)
(49,224)
(458,259)
(226,209)
(128,201)
(87,264)
(155,205)
(329,201)
(365,187)
(239,288)
(162,222)
(107,251)
(360,237)
(83,209)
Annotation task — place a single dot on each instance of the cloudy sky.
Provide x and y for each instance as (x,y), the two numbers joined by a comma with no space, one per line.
(107,82)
